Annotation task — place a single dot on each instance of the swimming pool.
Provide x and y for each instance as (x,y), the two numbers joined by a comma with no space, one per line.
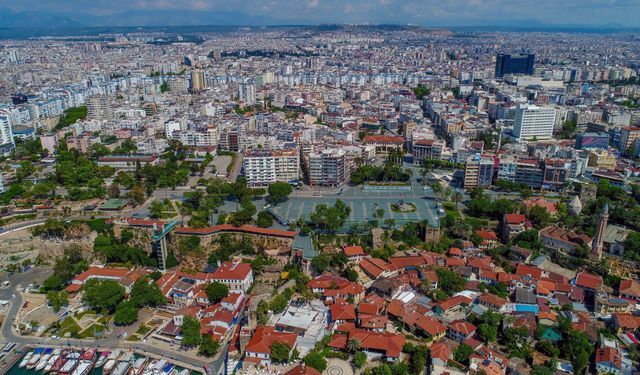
(520,307)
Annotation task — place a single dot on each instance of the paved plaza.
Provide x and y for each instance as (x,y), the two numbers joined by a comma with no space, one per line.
(364,203)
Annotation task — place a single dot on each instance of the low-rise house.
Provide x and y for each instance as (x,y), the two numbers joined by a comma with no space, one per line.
(512,225)
(342,312)
(558,238)
(488,239)
(492,302)
(625,322)
(588,281)
(460,330)
(608,360)
(258,349)
(354,253)
(385,345)
(629,289)
(453,308)
(237,276)
(375,267)
(608,305)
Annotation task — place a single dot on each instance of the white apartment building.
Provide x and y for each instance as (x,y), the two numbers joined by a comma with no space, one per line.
(247,93)
(262,167)
(208,138)
(329,167)
(7,143)
(534,122)
(170,127)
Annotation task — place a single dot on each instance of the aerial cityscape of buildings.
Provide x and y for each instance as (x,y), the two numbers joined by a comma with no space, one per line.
(338,199)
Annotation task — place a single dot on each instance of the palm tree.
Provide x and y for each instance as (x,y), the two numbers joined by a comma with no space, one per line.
(353,345)
(457,197)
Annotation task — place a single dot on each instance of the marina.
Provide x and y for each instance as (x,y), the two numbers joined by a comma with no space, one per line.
(54,361)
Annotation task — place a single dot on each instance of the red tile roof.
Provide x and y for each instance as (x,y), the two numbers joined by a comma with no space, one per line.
(265,336)
(609,355)
(303,369)
(514,218)
(463,327)
(587,280)
(353,250)
(232,271)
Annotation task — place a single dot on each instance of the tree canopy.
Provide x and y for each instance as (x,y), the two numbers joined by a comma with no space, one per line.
(103,295)
(216,291)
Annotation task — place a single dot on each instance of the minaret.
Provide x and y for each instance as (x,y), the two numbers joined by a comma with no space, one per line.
(598,240)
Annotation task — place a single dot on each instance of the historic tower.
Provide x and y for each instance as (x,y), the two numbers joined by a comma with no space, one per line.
(598,240)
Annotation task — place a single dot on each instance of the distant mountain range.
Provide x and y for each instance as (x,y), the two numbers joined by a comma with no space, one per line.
(38,22)
(13,19)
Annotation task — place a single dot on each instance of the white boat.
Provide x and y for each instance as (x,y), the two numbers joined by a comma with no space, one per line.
(50,362)
(150,366)
(69,365)
(87,360)
(104,356)
(121,367)
(139,365)
(44,359)
(37,354)
(25,359)
(159,366)
(184,372)
(109,366)
(112,360)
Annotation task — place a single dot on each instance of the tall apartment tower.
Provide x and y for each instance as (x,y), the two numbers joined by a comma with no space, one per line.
(99,108)
(7,143)
(247,93)
(598,240)
(197,82)
(533,122)
(514,64)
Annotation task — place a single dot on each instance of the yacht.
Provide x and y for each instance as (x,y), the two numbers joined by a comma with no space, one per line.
(25,359)
(52,360)
(139,364)
(112,360)
(86,362)
(57,365)
(44,359)
(104,356)
(37,354)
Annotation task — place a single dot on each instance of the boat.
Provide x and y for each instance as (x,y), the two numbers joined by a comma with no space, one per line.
(104,356)
(112,360)
(37,354)
(166,370)
(69,365)
(57,365)
(44,359)
(139,365)
(184,372)
(25,359)
(121,367)
(52,360)
(86,362)
(159,366)
(150,366)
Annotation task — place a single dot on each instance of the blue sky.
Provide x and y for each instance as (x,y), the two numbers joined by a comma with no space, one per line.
(422,12)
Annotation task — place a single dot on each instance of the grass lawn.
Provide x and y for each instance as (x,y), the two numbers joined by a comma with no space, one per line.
(91,330)
(476,222)
(86,312)
(133,338)
(70,326)
(143,330)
